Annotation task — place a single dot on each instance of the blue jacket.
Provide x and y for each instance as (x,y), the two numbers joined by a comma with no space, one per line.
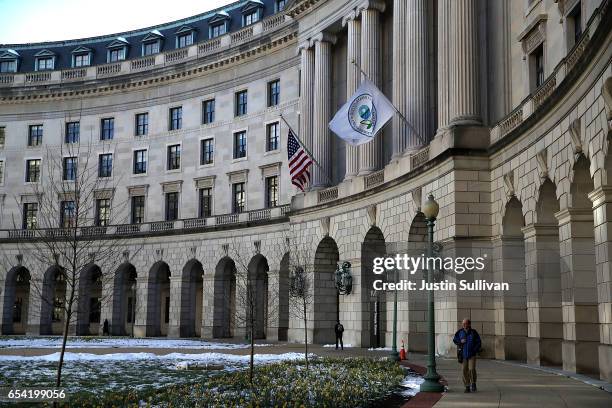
(472,342)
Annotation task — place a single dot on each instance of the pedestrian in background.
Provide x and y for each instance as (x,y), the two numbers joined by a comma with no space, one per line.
(468,343)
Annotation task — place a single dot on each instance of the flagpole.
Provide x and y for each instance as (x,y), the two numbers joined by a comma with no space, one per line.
(396,110)
(306,149)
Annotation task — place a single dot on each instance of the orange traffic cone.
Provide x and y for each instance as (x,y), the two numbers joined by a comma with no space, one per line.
(403,352)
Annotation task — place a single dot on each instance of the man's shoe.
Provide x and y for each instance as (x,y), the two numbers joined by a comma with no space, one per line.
(474,387)
(467,389)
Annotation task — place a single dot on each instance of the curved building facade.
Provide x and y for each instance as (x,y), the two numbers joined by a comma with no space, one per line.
(503,116)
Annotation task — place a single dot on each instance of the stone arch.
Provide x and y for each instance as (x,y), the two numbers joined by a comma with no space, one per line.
(124,300)
(374,313)
(326,298)
(258,288)
(89,301)
(191,299)
(16,301)
(158,299)
(224,313)
(414,327)
(53,298)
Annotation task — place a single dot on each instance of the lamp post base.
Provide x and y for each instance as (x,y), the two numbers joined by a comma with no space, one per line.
(431,384)
(394,356)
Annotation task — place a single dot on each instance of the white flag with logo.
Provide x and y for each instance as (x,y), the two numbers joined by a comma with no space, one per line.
(366,112)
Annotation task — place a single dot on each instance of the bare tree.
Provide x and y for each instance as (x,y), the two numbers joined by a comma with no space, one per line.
(77,188)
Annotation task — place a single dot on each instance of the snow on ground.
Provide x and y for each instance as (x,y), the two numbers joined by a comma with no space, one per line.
(125,342)
(379,349)
(333,345)
(411,385)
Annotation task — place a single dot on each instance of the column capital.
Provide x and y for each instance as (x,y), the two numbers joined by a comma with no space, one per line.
(323,36)
(601,195)
(304,45)
(351,16)
(371,5)
(567,215)
(538,229)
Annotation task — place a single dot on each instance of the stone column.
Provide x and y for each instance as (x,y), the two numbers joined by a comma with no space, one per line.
(353,79)
(417,73)
(400,138)
(443,51)
(306,92)
(177,294)
(370,154)
(142,325)
(463,63)
(322,110)
(208,306)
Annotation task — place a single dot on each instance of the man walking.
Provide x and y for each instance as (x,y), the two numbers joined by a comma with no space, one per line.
(339,329)
(468,342)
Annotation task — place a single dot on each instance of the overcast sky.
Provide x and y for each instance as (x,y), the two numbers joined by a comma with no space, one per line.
(23,21)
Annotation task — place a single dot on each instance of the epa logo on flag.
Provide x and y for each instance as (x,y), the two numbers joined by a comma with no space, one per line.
(362,115)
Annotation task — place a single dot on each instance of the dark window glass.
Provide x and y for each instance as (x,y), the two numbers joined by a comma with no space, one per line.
(185,40)
(35,135)
(176,118)
(58,309)
(217,30)
(117,54)
(8,66)
(539,66)
(238,197)
(208,111)
(67,214)
(205,202)
(207,151)
(273,93)
(577,22)
(150,48)
(172,206)
(105,165)
(280,5)
(272,136)
(33,171)
(107,129)
(140,161)
(142,124)
(167,310)
(250,18)
(130,309)
(271,191)
(241,103)
(30,215)
(94,310)
(73,130)
(174,157)
(45,64)
(240,145)
(81,60)
(70,168)
(103,212)
(138,209)
(17,308)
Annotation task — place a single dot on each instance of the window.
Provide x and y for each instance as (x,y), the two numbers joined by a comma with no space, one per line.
(207,151)
(142,124)
(272,136)
(70,168)
(167,310)
(172,206)
(150,48)
(240,145)
(250,18)
(117,54)
(176,118)
(184,40)
(30,214)
(273,93)
(575,22)
(138,209)
(140,161)
(107,128)
(1,172)
(73,130)
(271,191)
(217,30)
(238,197)
(44,64)
(205,202)
(102,212)
(174,157)
(8,66)
(33,171)
(81,60)
(94,310)
(538,56)
(241,103)
(2,136)
(130,309)
(208,111)
(58,311)
(105,165)
(67,214)
(35,135)
(280,5)
(17,308)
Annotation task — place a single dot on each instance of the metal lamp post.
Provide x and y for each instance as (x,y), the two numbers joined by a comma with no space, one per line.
(394,353)
(431,383)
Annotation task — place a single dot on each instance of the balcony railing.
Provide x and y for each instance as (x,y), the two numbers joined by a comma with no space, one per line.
(328,194)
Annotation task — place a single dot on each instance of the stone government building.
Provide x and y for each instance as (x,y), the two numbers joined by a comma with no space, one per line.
(510,104)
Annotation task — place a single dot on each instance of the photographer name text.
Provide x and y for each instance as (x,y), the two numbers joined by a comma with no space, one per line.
(479,284)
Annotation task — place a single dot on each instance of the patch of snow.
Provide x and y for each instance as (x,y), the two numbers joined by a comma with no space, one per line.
(411,385)
(380,349)
(333,345)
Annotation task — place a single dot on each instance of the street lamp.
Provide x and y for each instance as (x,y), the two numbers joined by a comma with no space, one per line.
(394,354)
(431,383)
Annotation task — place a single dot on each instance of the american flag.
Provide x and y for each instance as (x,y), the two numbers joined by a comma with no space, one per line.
(299,162)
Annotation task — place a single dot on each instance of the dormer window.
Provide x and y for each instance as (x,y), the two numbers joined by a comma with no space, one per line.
(184,37)
(218,24)
(151,43)
(279,5)
(252,12)
(8,61)
(217,30)
(44,60)
(250,18)
(117,50)
(81,57)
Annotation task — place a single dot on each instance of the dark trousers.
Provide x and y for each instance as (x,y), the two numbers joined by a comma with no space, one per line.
(339,338)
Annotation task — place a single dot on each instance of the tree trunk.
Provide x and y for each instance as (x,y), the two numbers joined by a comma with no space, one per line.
(58,380)
(252,357)
(305,335)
